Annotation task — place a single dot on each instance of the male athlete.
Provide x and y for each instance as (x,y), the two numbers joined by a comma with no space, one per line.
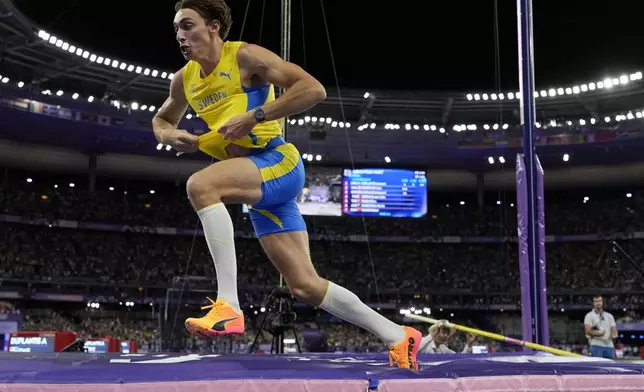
(230,86)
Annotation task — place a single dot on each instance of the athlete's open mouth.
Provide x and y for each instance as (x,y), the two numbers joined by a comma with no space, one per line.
(185,49)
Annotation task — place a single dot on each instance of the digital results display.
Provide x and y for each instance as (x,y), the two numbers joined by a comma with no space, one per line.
(397,193)
(35,344)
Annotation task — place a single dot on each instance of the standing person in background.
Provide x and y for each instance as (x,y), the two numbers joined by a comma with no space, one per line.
(601,330)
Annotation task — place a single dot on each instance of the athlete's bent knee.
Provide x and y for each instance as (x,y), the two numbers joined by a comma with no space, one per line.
(311,290)
(202,192)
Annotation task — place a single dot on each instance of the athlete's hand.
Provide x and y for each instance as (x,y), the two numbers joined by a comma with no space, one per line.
(183,141)
(238,127)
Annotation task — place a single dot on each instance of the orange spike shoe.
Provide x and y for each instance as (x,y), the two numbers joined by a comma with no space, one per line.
(222,319)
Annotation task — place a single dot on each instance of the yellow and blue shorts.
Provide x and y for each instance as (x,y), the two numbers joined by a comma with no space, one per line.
(283,178)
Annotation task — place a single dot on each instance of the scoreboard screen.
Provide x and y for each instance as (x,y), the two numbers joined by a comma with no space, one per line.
(397,193)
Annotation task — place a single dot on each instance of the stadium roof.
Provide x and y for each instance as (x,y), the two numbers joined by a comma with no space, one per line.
(44,60)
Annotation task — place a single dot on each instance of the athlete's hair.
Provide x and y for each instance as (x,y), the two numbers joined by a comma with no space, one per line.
(210,10)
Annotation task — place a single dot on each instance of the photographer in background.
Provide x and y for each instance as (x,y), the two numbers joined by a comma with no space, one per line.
(601,330)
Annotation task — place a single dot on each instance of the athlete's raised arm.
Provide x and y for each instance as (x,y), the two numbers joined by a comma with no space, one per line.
(303,91)
(167,119)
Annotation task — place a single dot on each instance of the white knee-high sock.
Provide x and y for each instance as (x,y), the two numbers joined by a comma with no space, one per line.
(343,304)
(220,236)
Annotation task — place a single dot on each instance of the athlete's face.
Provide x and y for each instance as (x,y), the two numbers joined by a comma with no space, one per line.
(194,34)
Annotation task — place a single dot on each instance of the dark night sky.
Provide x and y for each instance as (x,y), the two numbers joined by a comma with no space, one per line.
(403,44)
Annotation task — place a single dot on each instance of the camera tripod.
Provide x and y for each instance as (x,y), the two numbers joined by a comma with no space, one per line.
(279,319)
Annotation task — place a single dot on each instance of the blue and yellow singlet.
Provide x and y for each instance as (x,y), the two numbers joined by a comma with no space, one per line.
(220,96)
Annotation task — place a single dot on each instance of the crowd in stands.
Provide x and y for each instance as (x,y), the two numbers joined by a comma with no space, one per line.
(43,253)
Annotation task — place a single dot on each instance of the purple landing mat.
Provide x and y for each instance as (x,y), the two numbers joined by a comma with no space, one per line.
(66,372)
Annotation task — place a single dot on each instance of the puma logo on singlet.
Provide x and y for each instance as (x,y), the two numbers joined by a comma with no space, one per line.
(226,74)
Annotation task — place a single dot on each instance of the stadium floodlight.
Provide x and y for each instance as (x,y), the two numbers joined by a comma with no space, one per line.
(623,79)
(310,158)
(607,119)
(43,35)
(90,99)
(584,88)
(123,66)
(115,64)
(510,95)
(130,68)
(366,95)
(59,43)
(553,123)
(569,123)
(485,97)
(164,75)
(334,124)
(300,122)
(159,146)
(638,114)
(486,127)
(143,107)
(608,83)
(441,130)
(477,97)
(146,72)
(168,147)
(462,203)
(600,84)
(408,126)
(155,73)
(537,124)
(470,97)
(21,84)
(75,96)
(582,122)
(593,121)
(318,157)
(560,91)
(630,116)
(629,195)
(341,124)
(576,89)
(52,39)
(71,185)
(135,106)
(305,155)
(566,157)
(59,93)
(501,96)
(592,86)
(568,90)
(494,97)
(416,127)
(495,126)
(502,159)
(490,160)
(307,119)
(72,49)
(152,192)
(314,119)
(387,159)
(151,108)
(348,125)
(85,54)
(506,126)
(139,70)
(543,93)
(432,128)
(111,188)
(93,58)
(65,46)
